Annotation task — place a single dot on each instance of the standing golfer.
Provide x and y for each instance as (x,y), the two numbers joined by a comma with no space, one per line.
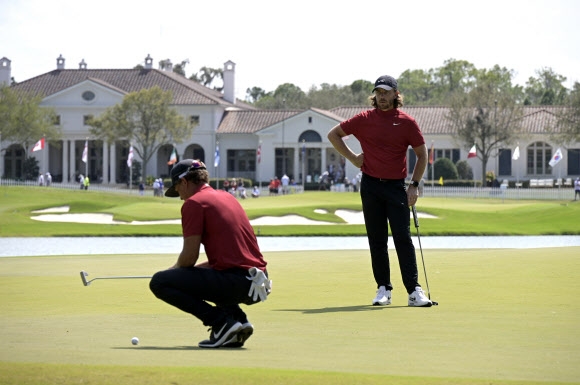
(235,271)
(385,133)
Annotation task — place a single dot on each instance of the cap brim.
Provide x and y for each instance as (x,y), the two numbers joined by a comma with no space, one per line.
(384,87)
(171,192)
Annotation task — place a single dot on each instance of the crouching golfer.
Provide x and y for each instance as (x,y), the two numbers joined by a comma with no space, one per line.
(235,271)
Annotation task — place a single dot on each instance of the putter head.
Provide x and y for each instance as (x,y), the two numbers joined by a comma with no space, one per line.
(84,278)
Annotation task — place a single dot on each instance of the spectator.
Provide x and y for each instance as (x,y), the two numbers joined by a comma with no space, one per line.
(141,188)
(48,179)
(255,192)
(576,188)
(285,183)
(41,179)
(82,181)
(86,182)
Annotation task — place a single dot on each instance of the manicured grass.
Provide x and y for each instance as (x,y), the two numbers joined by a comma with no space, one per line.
(505,317)
(455,216)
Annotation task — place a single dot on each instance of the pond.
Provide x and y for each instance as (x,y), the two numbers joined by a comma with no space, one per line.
(17,247)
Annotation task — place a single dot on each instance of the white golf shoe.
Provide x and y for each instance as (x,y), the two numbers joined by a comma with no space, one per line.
(418,298)
(383,297)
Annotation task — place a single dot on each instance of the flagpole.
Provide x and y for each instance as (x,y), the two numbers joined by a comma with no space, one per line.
(130,169)
(87,162)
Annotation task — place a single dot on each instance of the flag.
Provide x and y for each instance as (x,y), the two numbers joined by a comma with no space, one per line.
(432,154)
(259,153)
(130,157)
(441,181)
(216,156)
(472,152)
(38,146)
(172,157)
(516,154)
(86,152)
(556,158)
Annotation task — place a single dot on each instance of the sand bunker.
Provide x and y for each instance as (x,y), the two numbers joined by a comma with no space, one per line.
(60,214)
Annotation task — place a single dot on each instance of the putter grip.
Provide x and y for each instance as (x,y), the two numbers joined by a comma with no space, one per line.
(415,216)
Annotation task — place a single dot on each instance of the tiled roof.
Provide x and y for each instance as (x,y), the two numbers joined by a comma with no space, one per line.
(537,120)
(185,91)
(248,122)
(433,121)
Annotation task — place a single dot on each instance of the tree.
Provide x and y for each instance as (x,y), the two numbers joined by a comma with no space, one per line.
(445,168)
(488,114)
(23,120)
(254,94)
(145,119)
(207,76)
(547,89)
(417,87)
(568,121)
(287,95)
(464,170)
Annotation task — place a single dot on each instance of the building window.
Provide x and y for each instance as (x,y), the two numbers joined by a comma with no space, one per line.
(310,137)
(538,156)
(241,163)
(574,161)
(505,162)
(310,120)
(194,120)
(56,120)
(86,119)
(88,96)
(450,153)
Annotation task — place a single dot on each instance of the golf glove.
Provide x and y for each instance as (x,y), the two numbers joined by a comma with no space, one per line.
(261,285)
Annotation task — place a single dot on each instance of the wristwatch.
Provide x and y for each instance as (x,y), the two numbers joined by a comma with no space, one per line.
(414,183)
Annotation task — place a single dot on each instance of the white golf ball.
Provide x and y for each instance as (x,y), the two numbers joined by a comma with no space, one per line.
(135,341)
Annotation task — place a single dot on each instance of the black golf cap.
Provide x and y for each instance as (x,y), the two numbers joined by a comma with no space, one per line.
(179,170)
(386,82)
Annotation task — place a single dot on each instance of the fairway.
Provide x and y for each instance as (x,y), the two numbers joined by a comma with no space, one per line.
(503,315)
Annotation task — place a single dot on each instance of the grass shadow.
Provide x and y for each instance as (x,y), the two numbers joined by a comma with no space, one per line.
(172,348)
(340,309)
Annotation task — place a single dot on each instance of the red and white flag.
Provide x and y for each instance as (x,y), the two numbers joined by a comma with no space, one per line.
(38,146)
(86,152)
(130,157)
(472,152)
(432,154)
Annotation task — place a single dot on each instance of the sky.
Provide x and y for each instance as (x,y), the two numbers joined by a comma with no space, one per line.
(303,42)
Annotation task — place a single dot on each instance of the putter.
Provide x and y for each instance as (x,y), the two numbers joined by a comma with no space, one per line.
(416,220)
(86,282)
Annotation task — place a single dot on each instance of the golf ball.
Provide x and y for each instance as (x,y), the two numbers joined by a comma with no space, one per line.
(135,341)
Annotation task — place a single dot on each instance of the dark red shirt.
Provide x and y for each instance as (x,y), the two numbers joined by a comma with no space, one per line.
(226,233)
(385,137)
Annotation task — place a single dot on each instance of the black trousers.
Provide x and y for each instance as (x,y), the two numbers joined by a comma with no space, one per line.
(384,203)
(190,289)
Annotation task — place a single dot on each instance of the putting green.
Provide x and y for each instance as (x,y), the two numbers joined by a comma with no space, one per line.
(504,315)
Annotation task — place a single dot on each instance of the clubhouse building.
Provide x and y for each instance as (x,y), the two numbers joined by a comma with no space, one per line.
(252,143)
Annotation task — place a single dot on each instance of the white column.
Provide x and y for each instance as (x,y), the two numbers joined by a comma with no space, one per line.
(113,163)
(105,175)
(72,160)
(65,170)
(296,168)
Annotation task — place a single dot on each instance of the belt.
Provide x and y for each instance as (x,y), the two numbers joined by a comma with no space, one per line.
(382,179)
